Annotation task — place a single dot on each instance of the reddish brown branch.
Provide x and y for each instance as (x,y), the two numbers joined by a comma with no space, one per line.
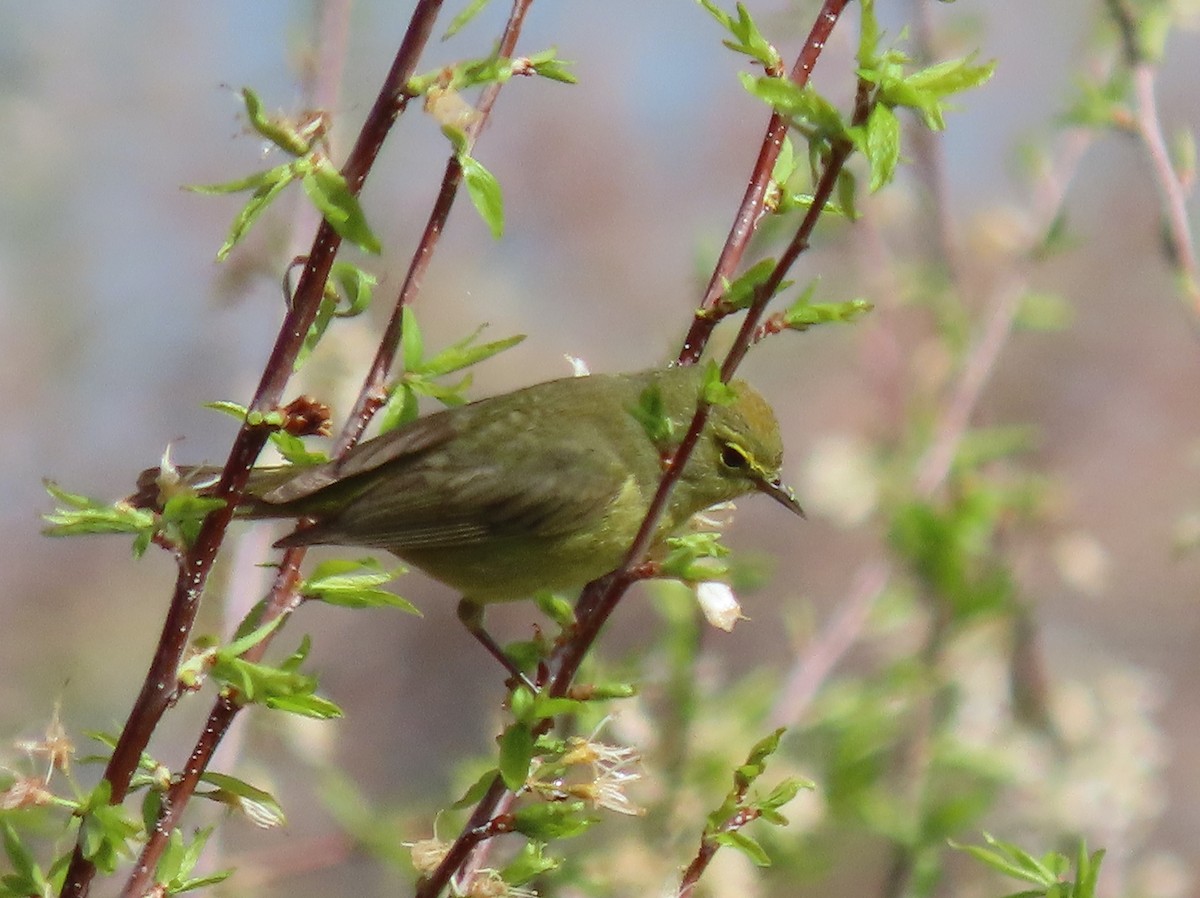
(283,599)
(600,597)
(750,211)
(159,686)
(373,394)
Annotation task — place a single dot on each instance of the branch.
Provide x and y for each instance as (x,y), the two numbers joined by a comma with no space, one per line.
(159,687)
(750,211)
(1172,190)
(283,600)
(373,394)
(600,597)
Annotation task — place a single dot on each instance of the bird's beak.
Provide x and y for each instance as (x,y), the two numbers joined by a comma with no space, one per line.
(781,493)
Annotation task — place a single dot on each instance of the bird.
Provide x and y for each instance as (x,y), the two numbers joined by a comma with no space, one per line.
(542,488)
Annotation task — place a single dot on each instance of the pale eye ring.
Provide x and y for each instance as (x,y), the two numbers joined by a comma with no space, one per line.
(733,457)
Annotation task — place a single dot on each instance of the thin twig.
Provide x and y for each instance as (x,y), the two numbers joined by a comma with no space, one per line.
(750,211)
(282,601)
(373,394)
(1172,191)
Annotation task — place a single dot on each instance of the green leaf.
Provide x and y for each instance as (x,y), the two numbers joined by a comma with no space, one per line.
(925,90)
(260,180)
(781,173)
(474,72)
(694,557)
(305,705)
(847,195)
(233,409)
(82,515)
(484,190)
(470,11)
(745,845)
(354,288)
(785,792)
(171,861)
(548,65)
(529,864)
(347,294)
(244,642)
(603,692)
(756,761)
(183,515)
(951,76)
(178,861)
(520,704)
(448,394)
(747,37)
(283,688)
(545,706)
(1008,859)
(463,354)
(331,195)
(273,184)
(476,790)
(200,882)
(555,607)
(714,390)
(293,661)
(868,35)
(354,584)
(1087,871)
(651,413)
(516,754)
(107,830)
(316,330)
(26,877)
(552,820)
(260,806)
(882,145)
(419,373)
(280,132)
(743,290)
(400,409)
(803,104)
(802,314)
(295,451)
(411,341)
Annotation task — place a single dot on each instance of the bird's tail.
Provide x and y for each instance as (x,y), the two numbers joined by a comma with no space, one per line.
(155,487)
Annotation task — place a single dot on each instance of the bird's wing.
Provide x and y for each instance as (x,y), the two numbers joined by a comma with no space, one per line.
(407,442)
(552,492)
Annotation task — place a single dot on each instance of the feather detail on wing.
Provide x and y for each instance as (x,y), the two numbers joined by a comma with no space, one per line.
(410,441)
(440,502)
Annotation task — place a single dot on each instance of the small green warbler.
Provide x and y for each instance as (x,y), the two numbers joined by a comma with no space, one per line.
(543,488)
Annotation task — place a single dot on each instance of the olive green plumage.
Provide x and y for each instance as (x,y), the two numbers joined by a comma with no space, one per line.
(541,488)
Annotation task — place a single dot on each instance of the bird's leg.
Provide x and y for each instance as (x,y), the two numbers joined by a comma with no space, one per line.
(471,614)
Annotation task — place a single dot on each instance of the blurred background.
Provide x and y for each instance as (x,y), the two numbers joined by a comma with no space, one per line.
(116,325)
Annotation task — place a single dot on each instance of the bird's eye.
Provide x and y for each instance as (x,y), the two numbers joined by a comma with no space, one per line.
(733,457)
